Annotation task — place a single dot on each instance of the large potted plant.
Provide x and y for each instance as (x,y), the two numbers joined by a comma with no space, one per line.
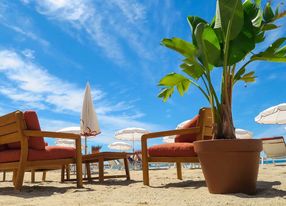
(227,43)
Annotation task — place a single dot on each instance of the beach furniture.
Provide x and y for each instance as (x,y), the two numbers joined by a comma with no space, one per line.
(121,159)
(23,147)
(274,148)
(182,150)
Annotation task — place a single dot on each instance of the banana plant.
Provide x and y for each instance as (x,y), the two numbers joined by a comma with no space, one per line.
(224,43)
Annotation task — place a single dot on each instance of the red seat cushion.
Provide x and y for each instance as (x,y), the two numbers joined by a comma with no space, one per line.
(50,153)
(172,150)
(188,137)
(32,123)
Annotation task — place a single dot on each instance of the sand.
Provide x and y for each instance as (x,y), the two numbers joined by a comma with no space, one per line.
(165,190)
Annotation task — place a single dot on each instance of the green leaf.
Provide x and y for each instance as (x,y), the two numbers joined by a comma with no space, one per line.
(257,3)
(241,76)
(166,93)
(193,22)
(273,53)
(258,19)
(171,81)
(208,44)
(268,13)
(194,70)
(244,43)
(267,27)
(229,13)
(249,77)
(183,47)
(259,37)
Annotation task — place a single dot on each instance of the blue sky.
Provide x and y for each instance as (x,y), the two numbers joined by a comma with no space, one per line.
(49,49)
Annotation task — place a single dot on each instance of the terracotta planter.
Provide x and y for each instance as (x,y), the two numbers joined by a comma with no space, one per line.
(230,166)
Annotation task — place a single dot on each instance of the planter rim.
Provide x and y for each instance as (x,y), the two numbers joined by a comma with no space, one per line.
(228,145)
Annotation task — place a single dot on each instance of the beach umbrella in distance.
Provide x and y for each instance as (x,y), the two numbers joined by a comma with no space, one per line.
(131,134)
(88,122)
(122,146)
(74,130)
(272,115)
(169,139)
(243,134)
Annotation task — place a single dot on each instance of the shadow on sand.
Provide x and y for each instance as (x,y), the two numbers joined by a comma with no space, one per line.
(265,190)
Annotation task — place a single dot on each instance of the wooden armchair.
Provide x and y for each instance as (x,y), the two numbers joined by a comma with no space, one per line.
(178,152)
(23,148)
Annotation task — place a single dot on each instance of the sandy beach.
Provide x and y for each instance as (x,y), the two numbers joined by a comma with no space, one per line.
(165,190)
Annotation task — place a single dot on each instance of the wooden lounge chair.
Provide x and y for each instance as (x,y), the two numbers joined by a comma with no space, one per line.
(23,147)
(182,151)
(274,148)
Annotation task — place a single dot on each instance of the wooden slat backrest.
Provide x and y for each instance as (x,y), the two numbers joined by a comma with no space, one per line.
(11,126)
(205,124)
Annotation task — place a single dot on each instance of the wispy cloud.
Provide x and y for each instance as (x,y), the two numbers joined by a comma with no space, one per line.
(34,84)
(19,23)
(31,86)
(101,20)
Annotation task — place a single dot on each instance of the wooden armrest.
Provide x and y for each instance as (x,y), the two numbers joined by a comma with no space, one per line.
(35,133)
(170,132)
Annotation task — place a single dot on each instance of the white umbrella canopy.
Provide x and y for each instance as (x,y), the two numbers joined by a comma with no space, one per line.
(272,115)
(243,134)
(131,134)
(88,122)
(65,142)
(122,146)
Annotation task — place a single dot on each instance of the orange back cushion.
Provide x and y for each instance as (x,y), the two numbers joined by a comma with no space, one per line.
(32,122)
(188,137)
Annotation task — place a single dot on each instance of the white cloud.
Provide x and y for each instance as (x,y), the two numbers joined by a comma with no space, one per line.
(37,85)
(30,86)
(101,21)
(19,23)
(29,53)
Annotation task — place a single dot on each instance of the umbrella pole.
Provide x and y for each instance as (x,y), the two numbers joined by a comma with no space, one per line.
(85,152)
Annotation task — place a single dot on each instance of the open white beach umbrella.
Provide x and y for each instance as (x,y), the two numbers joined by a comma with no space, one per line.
(122,146)
(88,122)
(131,134)
(171,139)
(243,134)
(272,115)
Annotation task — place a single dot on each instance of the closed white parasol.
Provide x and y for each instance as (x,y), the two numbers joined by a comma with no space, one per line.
(88,123)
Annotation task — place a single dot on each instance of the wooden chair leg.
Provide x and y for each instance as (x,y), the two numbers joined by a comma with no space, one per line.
(63,173)
(101,170)
(4,176)
(126,166)
(44,176)
(145,170)
(20,178)
(33,176)
(68,171)
(179,170)
(88,172)
(14,177)
(78,163)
